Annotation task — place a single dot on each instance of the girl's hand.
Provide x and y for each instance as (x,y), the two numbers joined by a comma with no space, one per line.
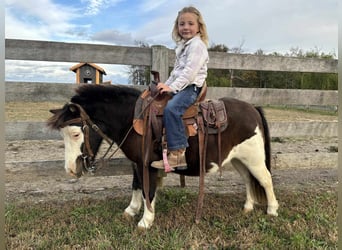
(162,88)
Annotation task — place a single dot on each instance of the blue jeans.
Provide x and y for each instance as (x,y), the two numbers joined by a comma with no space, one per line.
(173,112)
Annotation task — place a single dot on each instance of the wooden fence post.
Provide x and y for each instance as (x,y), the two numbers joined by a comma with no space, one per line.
(160,61)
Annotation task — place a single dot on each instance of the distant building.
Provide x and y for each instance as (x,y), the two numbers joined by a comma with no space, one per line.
(88,73)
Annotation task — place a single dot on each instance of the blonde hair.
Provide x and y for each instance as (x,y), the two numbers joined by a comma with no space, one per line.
(202,27)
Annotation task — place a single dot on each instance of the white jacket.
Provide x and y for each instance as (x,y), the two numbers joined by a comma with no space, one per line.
(190,66)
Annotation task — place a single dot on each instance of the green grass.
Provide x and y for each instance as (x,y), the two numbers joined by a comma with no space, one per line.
(307,220)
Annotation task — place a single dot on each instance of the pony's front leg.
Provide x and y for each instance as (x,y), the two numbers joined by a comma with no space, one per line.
(135,204)
(136,201)
(155,181)
(148,217)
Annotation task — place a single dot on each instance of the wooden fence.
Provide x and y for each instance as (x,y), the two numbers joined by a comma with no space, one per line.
(42,92)
(158,57)
(161,59)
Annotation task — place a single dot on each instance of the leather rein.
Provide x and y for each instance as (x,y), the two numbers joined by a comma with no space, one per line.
(87,153)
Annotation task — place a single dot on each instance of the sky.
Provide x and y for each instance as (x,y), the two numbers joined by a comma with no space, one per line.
(269,25)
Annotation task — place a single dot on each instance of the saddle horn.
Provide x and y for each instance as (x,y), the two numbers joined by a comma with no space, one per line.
(156,76)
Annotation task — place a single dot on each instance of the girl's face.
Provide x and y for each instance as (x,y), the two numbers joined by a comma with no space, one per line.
(188,25)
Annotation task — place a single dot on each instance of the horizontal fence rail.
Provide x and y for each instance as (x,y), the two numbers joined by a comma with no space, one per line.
(110,54)
(61,92)
(158,57)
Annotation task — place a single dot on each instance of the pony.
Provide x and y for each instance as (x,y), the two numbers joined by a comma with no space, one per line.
(106,112)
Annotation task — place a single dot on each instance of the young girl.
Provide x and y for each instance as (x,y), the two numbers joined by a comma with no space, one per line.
(185,81)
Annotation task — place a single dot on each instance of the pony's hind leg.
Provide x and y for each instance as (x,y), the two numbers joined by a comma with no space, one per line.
(245,175)
(249,159)
(263,176)
(258,182)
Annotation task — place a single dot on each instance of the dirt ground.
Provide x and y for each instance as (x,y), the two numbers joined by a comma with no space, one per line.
(47,185)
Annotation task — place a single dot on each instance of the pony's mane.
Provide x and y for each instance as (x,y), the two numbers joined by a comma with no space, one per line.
(88,94)
(103,93)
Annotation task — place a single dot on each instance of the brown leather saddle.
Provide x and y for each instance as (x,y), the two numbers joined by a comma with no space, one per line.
(151,103)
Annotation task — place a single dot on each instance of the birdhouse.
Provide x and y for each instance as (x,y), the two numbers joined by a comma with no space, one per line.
(88,73)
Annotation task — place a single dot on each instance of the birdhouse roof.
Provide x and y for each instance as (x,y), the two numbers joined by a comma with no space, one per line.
(79,65)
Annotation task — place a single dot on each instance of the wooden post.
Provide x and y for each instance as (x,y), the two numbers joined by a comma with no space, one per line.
(160,61)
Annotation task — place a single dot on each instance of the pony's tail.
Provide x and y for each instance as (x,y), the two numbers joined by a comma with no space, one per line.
(257,190)
(267,138)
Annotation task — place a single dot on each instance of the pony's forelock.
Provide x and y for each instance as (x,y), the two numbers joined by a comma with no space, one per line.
(54,122)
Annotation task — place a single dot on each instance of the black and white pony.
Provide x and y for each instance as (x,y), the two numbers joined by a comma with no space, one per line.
(110,109)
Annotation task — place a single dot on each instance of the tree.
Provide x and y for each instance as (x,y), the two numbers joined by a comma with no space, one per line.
(218,48)
(139,75)
(218,77)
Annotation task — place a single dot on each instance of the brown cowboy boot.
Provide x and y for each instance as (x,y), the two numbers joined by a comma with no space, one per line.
(158,164)
(176,159)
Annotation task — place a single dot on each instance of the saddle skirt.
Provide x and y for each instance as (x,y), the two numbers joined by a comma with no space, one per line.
(213,113)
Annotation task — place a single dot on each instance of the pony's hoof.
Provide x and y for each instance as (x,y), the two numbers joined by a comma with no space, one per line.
(127,216)
(141,229)
(272,213)
(142,225)
(247,210)
(272,210)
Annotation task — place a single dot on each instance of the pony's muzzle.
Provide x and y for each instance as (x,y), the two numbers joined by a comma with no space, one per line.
(78,168)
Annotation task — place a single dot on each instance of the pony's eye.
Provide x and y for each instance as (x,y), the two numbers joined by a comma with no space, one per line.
(75,135)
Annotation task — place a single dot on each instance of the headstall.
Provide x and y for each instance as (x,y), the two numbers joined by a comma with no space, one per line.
(87,153)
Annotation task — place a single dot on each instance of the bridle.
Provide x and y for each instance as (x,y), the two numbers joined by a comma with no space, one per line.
(87,156)
(89,163)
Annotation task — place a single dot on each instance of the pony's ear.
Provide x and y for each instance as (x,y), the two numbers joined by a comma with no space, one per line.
(54,111)
(72,108)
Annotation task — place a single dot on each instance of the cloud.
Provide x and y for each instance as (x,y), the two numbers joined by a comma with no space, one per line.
(94,7)
(16,28)
(151,5)
(27,71)
(48,13)
(58,72)
(275,26)
(50,21)
(157,31)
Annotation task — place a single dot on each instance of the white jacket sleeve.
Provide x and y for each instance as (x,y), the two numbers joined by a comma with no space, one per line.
(190,67)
